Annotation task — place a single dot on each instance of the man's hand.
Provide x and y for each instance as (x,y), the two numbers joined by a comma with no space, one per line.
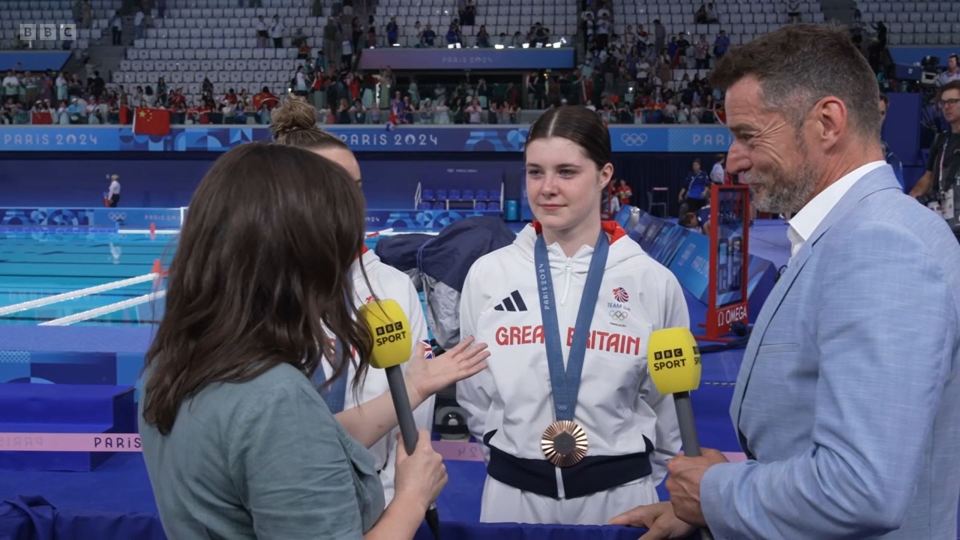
(684,484)
(659,519)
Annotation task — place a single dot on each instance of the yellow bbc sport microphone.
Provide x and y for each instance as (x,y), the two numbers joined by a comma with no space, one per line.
(673,362)
(392,346)
(390,330)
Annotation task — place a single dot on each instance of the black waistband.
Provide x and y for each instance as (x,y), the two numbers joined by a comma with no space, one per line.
(591,475)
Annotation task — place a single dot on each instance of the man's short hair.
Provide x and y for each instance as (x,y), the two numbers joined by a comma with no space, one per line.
(884,98)
(800,64)
(952,85)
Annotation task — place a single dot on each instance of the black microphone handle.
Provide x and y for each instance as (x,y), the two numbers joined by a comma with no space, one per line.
(688,429)
(688,435)
(408,431)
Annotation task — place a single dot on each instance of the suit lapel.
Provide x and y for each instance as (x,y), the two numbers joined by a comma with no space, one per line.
(876,180)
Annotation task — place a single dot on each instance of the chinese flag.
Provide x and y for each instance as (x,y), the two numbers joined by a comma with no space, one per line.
(42,117)
(148,121)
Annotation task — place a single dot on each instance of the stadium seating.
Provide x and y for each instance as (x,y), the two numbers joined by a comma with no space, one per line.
(914,23)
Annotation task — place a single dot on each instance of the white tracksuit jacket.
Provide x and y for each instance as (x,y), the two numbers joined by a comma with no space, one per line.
(388,283)
(617,404)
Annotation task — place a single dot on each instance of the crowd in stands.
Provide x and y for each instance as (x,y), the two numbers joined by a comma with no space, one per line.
(639,76)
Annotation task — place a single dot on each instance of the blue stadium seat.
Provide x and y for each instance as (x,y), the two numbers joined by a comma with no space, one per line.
(441,194)
(454,194)
(427,195)
(480,206)
(468,195)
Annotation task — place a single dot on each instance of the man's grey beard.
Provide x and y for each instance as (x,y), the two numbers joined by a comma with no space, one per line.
(784,195)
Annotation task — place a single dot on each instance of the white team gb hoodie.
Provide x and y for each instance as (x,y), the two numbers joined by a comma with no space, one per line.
(389,284)
(617,404)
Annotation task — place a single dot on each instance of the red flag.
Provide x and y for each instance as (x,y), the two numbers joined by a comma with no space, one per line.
(41,117)
(124,114)
(148,121)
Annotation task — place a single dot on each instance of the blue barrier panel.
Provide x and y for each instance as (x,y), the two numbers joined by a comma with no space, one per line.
(104,218)
(33,60)
(641,138)
(473,59)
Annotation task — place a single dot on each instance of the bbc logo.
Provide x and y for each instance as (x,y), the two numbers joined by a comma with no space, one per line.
(48,32)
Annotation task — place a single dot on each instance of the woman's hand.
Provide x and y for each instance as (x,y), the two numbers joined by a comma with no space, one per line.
(427,377)
(420,476)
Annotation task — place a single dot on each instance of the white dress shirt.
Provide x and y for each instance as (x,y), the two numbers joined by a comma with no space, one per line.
(812,214)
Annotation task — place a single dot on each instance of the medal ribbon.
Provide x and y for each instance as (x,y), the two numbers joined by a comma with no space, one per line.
(565,383)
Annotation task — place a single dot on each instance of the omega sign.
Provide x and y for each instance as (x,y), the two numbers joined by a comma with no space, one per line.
(731,314)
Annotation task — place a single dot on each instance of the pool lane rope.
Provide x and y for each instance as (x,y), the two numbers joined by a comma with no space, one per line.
(80,293)
(106,310)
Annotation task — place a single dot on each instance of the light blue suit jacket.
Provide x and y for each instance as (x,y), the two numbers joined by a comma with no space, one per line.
(848,398)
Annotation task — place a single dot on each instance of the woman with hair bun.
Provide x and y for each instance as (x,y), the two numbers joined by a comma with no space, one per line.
(294,124)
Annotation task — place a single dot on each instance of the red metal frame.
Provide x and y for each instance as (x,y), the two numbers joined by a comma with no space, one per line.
(720,318)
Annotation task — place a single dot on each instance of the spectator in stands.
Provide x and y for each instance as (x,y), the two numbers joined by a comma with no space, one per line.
(206,89)
(86,14)
(721,45)
(602,31)
(331,43)
(299,84)
(298,38)
(702,53)
(454,37)
(138,24)
(265,100)
(358,114)
(371,41)
(696,193)
(346,53)
(149,98)
(888,154)
(517,40)
(474,112)
(11,87)
(343,112)
(469,13)
(276,32)
(441,113)
(659,36)
(398,110)
(429,37)
(952,73)
(680,59)
(700,17)
(161,8)
(483,38)
(356,29)
(393,32)
(263,34)
(116,28)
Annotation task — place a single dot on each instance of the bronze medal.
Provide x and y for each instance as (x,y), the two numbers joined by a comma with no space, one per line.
(564,443)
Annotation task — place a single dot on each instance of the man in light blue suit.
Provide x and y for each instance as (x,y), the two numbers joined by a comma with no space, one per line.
(848,399)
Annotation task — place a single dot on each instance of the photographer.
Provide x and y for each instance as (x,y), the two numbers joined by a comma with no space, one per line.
(939,184)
